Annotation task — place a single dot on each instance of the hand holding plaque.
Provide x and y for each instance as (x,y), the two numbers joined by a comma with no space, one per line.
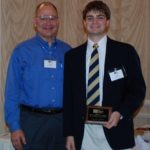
(98,114)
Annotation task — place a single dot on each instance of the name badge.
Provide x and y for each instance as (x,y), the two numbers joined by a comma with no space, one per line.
(116,75)
(49,64)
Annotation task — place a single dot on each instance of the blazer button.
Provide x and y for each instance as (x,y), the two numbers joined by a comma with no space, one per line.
(83,118)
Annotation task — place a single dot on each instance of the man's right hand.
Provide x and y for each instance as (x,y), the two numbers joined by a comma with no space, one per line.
(18,138)
(70,145)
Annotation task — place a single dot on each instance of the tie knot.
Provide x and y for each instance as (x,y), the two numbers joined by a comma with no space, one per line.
(95,46)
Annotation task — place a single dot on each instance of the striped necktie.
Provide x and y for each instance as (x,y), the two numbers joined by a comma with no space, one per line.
(93,94)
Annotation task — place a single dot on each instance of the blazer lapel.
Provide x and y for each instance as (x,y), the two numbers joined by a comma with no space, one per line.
(108,63)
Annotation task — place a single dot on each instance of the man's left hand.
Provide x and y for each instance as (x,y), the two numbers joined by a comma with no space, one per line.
(113,121)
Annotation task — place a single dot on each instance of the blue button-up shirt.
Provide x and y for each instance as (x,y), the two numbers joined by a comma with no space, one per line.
(30,82)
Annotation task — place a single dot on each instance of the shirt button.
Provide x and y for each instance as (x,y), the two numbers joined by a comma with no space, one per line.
(52,76)
(53,100)
(52,88)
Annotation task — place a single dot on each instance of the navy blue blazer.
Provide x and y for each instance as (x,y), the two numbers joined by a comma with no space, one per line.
(124,95)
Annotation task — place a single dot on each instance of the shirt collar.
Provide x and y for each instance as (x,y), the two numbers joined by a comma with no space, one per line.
(101,43)
(43,42)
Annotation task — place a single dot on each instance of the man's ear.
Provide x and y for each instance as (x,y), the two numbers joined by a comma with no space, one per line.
(34,21)
(108,23)
(84,25)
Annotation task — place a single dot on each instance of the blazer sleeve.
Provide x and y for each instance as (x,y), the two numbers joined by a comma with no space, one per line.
(67,99)
(136,87)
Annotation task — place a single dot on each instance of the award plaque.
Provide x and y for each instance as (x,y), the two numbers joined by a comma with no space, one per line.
(98,114)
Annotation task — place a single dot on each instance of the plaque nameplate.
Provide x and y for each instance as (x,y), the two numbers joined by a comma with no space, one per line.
(98,114)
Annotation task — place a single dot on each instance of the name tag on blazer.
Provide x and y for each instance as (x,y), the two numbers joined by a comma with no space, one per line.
(117,73)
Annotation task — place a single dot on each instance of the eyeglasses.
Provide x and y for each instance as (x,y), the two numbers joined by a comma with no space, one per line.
(50,18)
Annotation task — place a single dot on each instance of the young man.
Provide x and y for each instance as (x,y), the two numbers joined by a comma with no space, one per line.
(34,86)
(108,75)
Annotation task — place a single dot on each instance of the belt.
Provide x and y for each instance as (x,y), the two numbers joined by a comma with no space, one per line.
(41,110)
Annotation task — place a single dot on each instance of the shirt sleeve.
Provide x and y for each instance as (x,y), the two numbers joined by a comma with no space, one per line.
(12,93)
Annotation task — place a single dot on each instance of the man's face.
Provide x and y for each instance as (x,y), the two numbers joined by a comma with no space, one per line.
(96,23)
(46,22)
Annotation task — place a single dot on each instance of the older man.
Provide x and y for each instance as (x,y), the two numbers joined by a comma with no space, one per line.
(34,86)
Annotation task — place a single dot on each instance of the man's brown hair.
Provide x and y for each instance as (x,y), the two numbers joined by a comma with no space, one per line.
(97,6)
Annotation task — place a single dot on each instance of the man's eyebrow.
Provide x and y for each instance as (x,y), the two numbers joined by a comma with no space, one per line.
(89,16)
(101,14)
(96,15)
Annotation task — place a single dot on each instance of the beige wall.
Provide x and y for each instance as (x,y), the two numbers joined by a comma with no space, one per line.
(130,23)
